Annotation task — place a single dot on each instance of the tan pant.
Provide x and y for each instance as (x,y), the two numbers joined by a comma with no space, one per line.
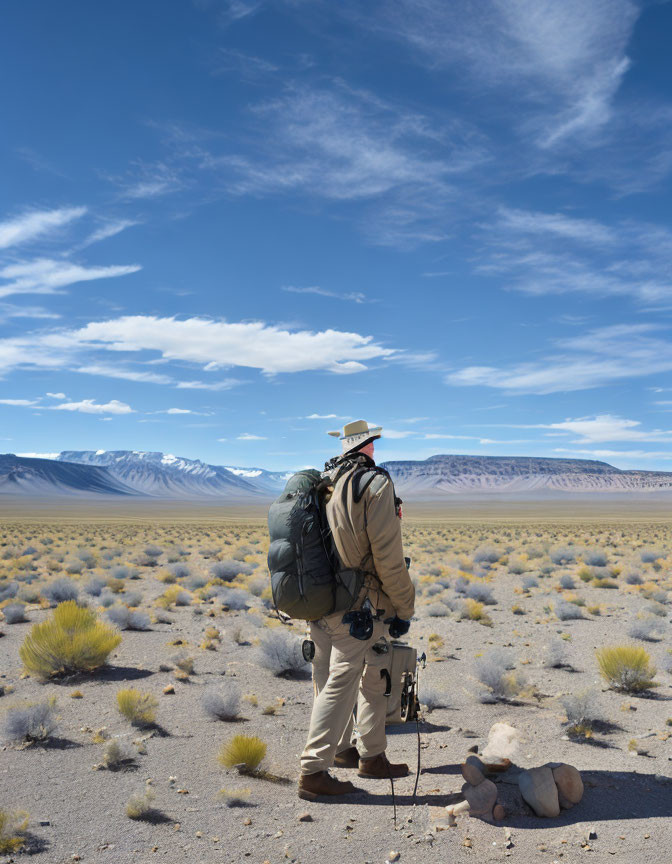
(353,666)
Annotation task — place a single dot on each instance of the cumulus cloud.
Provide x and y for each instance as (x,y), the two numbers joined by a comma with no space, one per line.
(207,343)
(22,403)
(220,344)
(36,223)
(90,406)
(247,436)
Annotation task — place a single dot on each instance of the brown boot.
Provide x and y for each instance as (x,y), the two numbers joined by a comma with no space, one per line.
(380,768)
(322,784)
(347,758)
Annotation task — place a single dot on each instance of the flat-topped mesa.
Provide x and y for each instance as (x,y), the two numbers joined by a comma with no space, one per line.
(456,473)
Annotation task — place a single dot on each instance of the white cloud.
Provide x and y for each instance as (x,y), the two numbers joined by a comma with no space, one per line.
(353,296)
(220,344)
(226,384)
(46,276)
(596,429)
(608,427)
(108,229)
(10,310)
(246,436)
(90,406)
(38,455)
(599,357)
(36,223)
(325,417)
(19,402)
(618,454)
(180,411)
(556,224)
(396,433)
(124,374)
(56,395)
(563,61)
(347,145)
(552,253)
(148,181)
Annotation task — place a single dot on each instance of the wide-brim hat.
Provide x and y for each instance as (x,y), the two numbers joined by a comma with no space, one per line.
(357,434)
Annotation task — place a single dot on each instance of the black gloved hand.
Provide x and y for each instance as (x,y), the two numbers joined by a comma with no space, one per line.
(399,627)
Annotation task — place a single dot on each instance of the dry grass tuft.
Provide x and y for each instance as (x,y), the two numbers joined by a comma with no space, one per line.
(247,750)
(13,826)
(72,640)
(627,668)
(139,708)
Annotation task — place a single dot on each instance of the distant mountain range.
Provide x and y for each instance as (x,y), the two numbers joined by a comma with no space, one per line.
(441,475)
(85,473)
(134,472)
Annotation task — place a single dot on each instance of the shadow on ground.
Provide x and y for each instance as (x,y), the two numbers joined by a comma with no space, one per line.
(609,796)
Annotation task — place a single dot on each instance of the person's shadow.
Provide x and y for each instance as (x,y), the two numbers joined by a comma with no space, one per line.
(607,796)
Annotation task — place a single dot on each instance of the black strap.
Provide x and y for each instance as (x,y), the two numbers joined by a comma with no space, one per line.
(388,681)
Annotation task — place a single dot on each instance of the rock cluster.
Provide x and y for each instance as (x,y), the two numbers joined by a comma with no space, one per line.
(479,793)
(551,787)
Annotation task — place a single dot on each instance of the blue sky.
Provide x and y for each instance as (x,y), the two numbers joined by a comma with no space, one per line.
(227,226)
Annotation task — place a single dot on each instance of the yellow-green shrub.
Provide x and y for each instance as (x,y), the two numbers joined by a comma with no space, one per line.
(247,750)
(139,708)
(71,640)
(12,831)
(626,667)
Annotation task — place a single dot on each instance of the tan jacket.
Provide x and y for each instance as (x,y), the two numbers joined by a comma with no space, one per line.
(367,534)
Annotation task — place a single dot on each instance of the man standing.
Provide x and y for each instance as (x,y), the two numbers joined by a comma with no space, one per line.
(365,520)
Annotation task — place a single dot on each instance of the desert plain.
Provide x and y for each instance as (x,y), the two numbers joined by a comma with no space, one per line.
(514,606)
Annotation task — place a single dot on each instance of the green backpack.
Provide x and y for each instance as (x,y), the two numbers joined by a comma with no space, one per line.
(307,579)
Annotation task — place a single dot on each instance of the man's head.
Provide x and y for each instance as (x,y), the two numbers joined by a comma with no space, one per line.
(367,449)
(358,437)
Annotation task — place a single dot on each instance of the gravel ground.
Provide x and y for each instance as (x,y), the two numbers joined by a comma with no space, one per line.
(78,812)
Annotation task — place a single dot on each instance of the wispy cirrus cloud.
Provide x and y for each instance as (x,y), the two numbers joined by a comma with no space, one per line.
(33,224)
(216,386)
(596,429)
(628,455)
(555,253)
(10,310)
(140,375)
(353,296)
(597,358)
(563,61)
(148,180)
(108,229)
(348,146)
(47,275)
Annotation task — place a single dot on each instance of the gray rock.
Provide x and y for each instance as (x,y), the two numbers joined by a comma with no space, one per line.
(537,786)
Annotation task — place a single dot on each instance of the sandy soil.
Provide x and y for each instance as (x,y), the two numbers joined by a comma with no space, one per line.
(78,811)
